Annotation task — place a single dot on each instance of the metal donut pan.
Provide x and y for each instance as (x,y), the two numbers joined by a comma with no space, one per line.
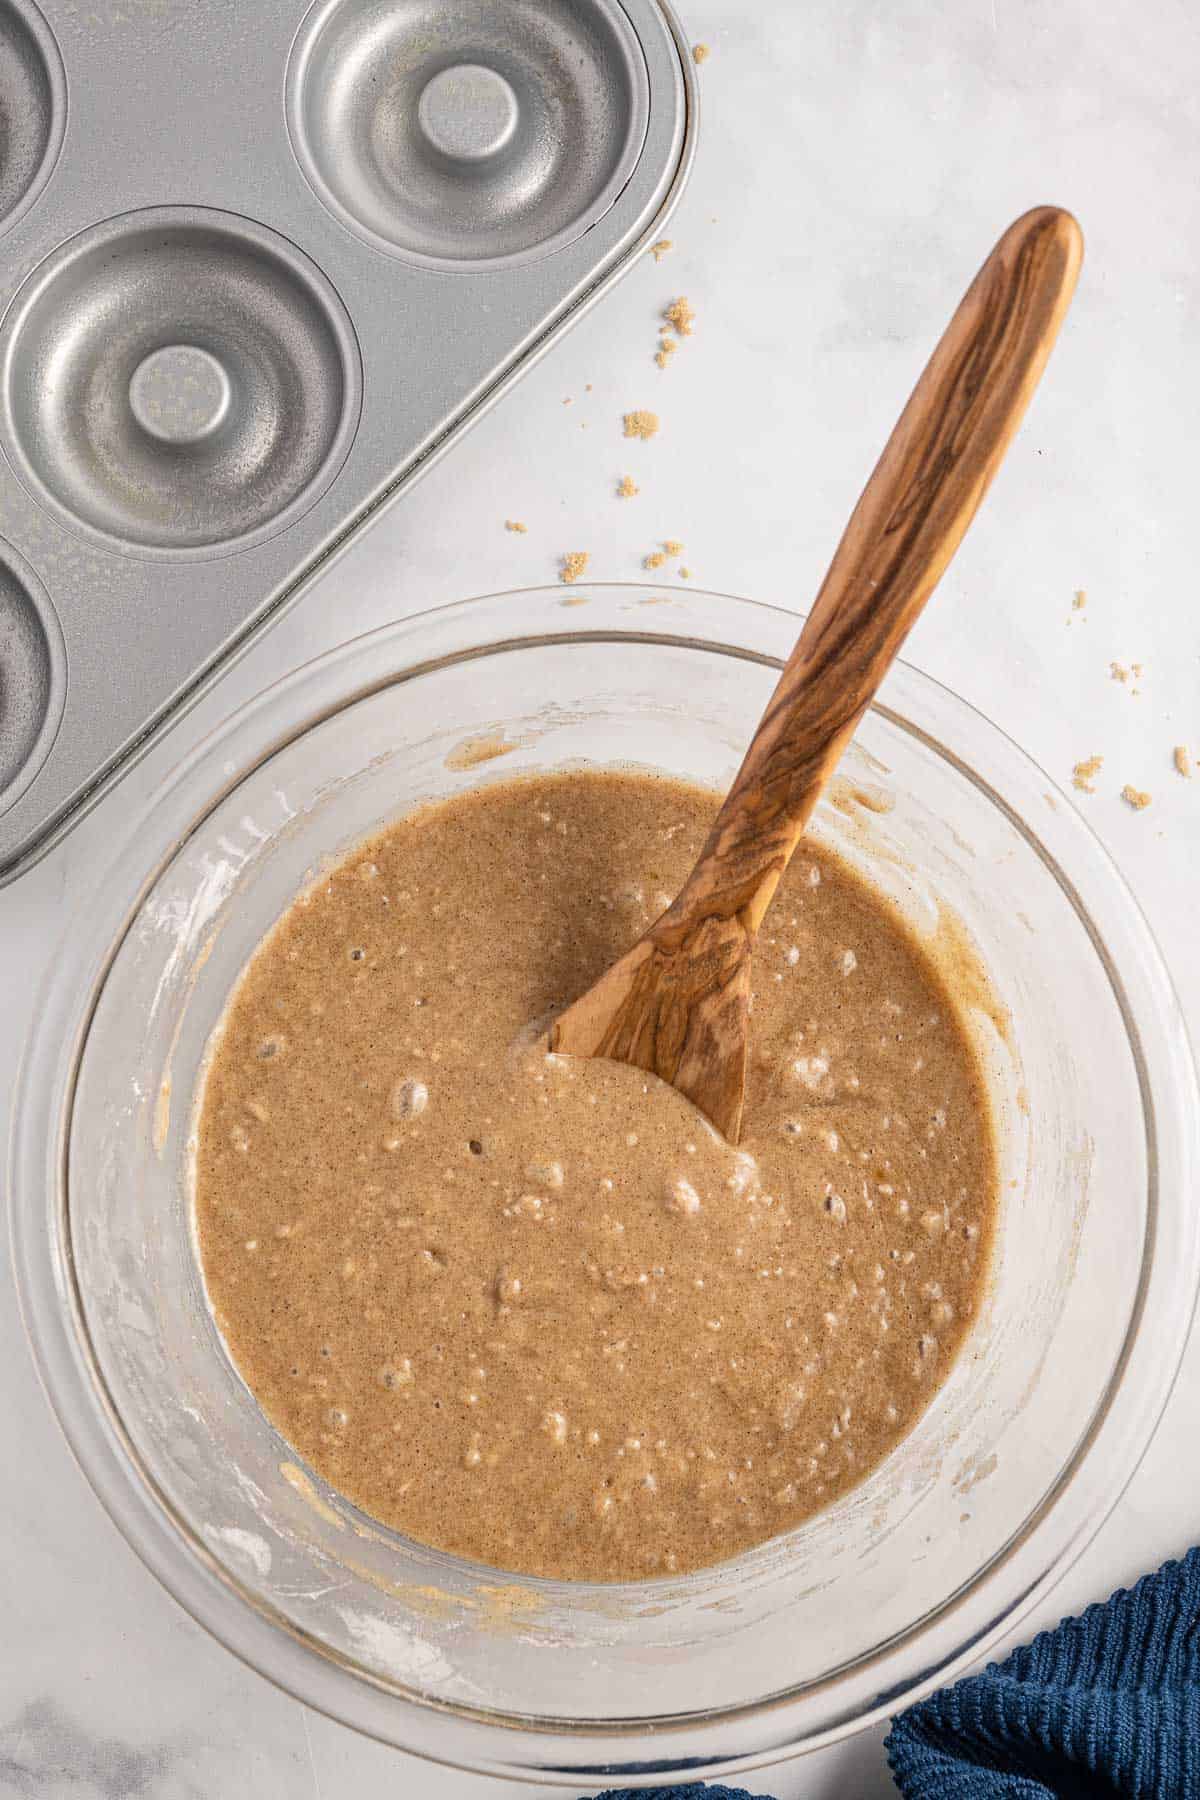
(258,268)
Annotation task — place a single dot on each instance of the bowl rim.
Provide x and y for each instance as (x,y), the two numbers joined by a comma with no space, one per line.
(715,1741)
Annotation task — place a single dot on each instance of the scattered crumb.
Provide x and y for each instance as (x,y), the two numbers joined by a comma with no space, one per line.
(587,387)
(655,560)
(659,250)
(680,315)
(1119,672)
(627,487)
(1183,762)
(641,424)
(700,53)
(515,525)
(566,400)
(685,574)
(672,546)
(677,317)
(1135,797)
(1080,599)
(572,564)
(575,600)
(1084,773)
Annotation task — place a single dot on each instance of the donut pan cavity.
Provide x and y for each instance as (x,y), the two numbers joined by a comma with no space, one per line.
(259,268)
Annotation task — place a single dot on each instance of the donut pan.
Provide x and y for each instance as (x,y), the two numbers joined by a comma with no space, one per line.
(257,268)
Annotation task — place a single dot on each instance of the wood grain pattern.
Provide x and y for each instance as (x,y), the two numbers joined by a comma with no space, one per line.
(678,1002)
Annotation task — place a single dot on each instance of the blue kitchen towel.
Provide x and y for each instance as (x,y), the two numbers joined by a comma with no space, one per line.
(1106,1704)
(692,1790)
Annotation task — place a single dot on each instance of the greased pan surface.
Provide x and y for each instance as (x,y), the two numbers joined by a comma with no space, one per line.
(256,267)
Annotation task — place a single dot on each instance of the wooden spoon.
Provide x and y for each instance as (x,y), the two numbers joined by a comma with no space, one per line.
(678,1002)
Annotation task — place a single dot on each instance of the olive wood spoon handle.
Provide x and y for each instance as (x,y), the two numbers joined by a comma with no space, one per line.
(677,1003)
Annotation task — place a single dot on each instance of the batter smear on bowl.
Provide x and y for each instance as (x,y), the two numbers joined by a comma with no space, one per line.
(531,1309)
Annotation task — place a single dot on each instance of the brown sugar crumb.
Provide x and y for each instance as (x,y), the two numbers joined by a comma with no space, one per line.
(1183,762)
(627,487)
(1079,599)
(672,546)
(1118,672)
(655,560)
(685,574)
(572,564)
(659,250)
(641,424)
(680,318)
(515,525)
(1084,773)
(680,315)
(700,53)
(1135,797)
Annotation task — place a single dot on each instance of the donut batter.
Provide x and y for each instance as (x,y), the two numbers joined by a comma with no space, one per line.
(532,1309)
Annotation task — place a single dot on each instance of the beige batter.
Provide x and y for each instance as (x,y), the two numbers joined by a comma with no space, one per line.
(532,1309)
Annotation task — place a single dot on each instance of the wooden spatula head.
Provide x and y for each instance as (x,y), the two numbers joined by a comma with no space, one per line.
(677,1004)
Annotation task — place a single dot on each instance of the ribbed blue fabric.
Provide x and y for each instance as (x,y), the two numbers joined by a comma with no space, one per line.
(693,1790)
(1106,1704)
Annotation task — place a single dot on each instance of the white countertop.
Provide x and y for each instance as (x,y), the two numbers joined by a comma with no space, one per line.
(856,162)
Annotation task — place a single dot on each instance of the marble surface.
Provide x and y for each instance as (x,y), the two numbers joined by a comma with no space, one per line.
(855,163)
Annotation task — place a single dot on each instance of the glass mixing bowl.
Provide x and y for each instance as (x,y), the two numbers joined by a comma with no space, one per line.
(815,1634)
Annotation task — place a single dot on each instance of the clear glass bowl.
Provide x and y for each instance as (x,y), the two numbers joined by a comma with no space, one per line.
(807,1638)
